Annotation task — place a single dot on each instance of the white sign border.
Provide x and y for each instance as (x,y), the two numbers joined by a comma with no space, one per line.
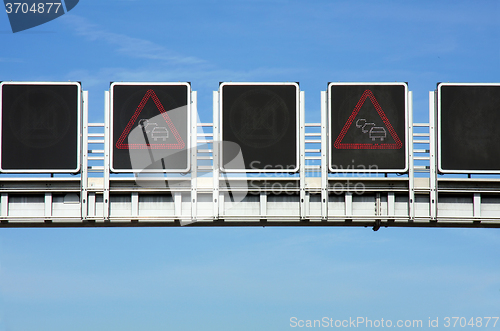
(297,128)
(189,133)
(79,129)
(438,134)
(378,170)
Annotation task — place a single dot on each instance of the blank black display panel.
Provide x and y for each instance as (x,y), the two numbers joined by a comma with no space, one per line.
(368,127)
(262,120)
(469,134)
(40,127)
(162,109)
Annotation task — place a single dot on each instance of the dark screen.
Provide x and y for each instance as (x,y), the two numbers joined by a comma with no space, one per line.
(163,111)
(40,127)
(368,127)
(469,132)
(262,120)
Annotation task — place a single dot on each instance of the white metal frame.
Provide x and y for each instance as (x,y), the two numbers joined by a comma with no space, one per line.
(107,155)
(325,134)
(218,205)
(411,166)
(189,204)
(297,111)
(329,109)
(302,160)
(189,129)
(194,159)
(85,154)
(438,132)
(79,127)
(433,174)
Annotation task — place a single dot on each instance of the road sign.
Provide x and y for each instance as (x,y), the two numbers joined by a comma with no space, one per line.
(368,124)
(468,124)
(40,127)
(263,119)
(150,127)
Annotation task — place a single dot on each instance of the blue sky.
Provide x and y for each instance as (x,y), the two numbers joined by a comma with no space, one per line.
(250,278)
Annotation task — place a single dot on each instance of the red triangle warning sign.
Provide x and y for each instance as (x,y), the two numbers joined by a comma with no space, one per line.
(150,94)
(377,134)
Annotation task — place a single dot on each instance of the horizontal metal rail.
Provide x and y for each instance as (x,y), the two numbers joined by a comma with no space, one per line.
(281,199)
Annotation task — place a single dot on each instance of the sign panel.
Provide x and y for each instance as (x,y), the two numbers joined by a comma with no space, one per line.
(468,117)
(40,127)
(368,124)
(150,127)
(263,119)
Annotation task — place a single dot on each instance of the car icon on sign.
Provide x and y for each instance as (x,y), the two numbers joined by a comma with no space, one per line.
(377,132)
(159,132)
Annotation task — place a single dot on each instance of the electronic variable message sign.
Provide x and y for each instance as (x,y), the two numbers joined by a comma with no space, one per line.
(150,127)
(40,127)
(263,119)
(468,132)
(368,127)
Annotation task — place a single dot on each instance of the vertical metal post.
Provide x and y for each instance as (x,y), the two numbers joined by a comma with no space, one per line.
(411,166)
(302,156)
(378,206)
(85,154)
(263,205)
(308,203)
(91,205)
(391,204)
(177,204)
(221,205)
(348,204)
(5,204)
(215,155)
(324,156)
(107,145)
(134,201)
(48,205)
(433,198)
(194,155)
(477,205)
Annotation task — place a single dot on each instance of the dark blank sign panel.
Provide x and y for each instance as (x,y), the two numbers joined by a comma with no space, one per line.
(150,127)
(40,131)
(368,124)
(262,118)
(469,131)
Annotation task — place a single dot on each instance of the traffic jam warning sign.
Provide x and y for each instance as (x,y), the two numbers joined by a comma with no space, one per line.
(150,126)
(377,133)
(368,127)
(159,133)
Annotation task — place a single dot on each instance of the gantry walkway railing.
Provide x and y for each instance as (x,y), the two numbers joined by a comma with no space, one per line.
(207,197)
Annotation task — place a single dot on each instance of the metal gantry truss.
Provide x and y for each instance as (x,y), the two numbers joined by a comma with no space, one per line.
(206,197)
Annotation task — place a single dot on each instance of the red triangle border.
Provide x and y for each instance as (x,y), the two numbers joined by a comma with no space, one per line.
(367,94)
(150,94)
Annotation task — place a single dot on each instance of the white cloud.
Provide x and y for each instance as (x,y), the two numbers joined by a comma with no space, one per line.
(166,65)
(204,76)
(129,46)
